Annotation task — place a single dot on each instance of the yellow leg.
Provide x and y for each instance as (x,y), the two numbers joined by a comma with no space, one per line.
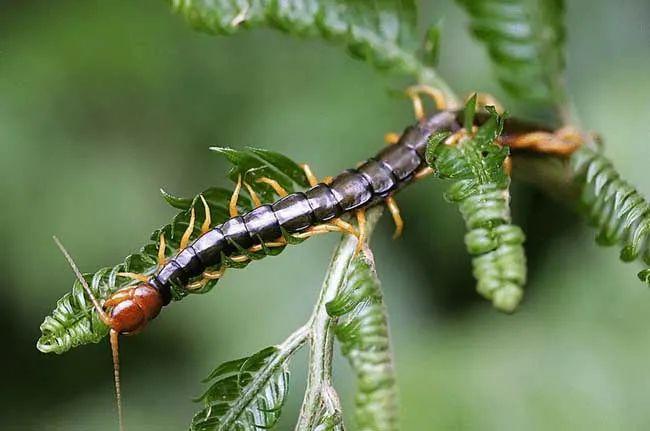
(272,244)
(196,285)
(507,165)
(414,92)
(397,217)
(161,250)
(361,237)
(213,275)
(185,239)
(208,218)
(456,137)
(256,200)
(418,106)
(311,178)
(240,259)
(318,230)
(345,227)
(424,172)
(562,143)
(391,138)
(281,191)
(134,276)
(234,198)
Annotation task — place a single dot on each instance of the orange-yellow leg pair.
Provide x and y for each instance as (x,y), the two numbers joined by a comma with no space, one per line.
(185,239)
(562,142)
(336,225)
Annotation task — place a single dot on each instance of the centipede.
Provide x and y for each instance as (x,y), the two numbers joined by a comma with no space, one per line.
(325,206)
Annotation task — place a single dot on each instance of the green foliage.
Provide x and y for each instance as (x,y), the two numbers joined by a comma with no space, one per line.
(480,188)
(380,32)
(619,212)
(363,333)
(74,321)
(329,416)
(432,44)
(245,394)
(525,39)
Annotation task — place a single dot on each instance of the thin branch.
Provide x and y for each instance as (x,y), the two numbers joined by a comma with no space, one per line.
(320,393)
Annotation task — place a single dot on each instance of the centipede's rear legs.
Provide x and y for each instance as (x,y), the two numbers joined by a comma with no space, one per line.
(562,142)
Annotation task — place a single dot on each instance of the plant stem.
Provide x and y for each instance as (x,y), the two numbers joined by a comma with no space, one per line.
(320,394)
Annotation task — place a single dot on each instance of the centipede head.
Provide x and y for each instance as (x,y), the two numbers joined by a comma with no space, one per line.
(130,309)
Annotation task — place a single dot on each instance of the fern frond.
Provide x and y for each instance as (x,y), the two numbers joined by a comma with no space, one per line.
(619,212)
(363,333)
(481,189)
(380,32)
(525,40)
(248,394)
(74,321)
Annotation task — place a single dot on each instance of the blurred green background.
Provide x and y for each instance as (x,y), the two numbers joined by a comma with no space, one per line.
(102,103)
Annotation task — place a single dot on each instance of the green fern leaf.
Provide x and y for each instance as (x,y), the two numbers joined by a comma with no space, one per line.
(74,321)
(431,48)
(247,394)
(619,212)
(259,379)
(480,188)
(380,32)
(525,39)
(363,333)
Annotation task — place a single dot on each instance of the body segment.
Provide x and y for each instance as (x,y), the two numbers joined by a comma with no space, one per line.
(371,183)
(354,189)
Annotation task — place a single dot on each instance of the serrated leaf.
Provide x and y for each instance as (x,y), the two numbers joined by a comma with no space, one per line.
(480,189)
(616,209)
(380,32)
(251,165)
(74,322)
(248,393)
(176,201)
(363,332)
(283,165)
(525,39)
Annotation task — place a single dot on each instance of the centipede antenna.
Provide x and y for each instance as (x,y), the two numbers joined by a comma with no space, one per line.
(116,374)
(103,316)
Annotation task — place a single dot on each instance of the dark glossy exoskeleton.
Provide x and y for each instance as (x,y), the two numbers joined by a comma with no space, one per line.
(369,184)
(132,308)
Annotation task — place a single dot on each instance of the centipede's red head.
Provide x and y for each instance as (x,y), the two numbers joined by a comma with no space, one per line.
(130,309)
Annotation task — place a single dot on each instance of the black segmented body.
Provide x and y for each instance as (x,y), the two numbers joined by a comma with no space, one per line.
(367,185)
